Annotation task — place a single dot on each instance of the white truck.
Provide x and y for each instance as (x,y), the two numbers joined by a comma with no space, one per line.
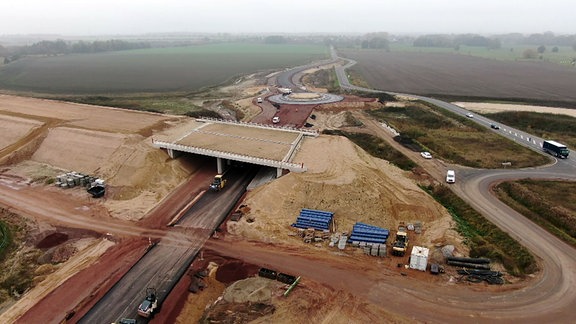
(285,91)
(450,176)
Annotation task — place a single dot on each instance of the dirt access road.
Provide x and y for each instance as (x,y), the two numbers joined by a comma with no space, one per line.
(546,299)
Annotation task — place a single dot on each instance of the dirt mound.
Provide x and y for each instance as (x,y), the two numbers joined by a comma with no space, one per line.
(63,253)
(234,313)
(52,240)
(253,290)
(112,144)
(343,179)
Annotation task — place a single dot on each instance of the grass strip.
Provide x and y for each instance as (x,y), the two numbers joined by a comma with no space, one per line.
(546,203)
(484,238)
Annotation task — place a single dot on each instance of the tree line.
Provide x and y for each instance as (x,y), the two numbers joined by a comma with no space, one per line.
(383,40)
(60,46)
(496,41)
(456,41)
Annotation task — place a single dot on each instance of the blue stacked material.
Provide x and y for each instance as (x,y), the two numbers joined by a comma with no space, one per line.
(362,232)
(370,231)
(316,219)
(354,238)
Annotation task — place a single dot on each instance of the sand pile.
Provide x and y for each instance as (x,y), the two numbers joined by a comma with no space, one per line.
(343,179)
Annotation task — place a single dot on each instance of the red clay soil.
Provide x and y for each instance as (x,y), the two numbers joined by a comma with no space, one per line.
(235,270)
(52,240)
(164,212)
(229,270)
(79,293)
(173,304)
(294,115)
(62,235)
(297,115)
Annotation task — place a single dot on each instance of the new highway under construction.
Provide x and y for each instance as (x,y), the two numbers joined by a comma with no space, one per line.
(168,259)
(137,153)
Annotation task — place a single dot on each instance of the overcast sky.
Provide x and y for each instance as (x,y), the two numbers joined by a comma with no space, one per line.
(98,17)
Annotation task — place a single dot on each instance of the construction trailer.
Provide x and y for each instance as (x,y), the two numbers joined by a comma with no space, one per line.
(419,258)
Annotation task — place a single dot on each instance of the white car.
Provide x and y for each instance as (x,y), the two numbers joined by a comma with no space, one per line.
(276,120)
(450,176)
(426,155)
(469,115)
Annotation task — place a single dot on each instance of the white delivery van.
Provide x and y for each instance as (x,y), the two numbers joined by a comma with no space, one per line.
(450,176)
(259,100)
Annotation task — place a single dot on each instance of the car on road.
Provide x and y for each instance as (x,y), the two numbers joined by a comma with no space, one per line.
(426,155)
(450,176)
(494,126)
(469,115)
(275,120)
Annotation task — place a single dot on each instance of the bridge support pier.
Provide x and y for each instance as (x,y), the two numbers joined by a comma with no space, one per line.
(219,166)
(278,172)
(173,154)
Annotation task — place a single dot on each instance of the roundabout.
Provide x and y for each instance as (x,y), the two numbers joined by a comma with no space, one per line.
(306,98)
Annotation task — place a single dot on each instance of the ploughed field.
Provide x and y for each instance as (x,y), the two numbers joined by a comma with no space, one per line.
(151,70)
(464,75)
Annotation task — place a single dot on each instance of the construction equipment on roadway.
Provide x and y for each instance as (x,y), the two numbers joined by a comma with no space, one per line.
(218,183)
(148,305)
(126,321)
(400,245)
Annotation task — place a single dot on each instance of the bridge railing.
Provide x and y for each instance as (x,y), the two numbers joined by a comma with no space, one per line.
(308,132)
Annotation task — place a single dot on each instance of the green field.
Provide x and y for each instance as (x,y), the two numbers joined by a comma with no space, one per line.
(455,138)
(564,55)
(152,70)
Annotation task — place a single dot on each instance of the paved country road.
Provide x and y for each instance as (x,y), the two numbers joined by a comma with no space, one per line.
(551,297)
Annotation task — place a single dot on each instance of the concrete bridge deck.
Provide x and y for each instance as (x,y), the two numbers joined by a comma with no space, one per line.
(245,142)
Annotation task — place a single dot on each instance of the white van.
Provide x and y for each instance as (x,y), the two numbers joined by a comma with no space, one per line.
(259,100)
(450,176)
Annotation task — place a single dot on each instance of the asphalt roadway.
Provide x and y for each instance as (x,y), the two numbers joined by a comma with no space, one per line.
(551,298)
(165,263)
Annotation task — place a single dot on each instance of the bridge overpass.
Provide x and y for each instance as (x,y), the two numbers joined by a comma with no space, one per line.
(237,141)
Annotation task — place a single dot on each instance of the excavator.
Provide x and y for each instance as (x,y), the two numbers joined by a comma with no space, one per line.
(148,305)
(218,183)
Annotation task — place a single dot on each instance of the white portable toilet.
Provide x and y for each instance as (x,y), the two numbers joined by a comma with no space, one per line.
(419,258)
